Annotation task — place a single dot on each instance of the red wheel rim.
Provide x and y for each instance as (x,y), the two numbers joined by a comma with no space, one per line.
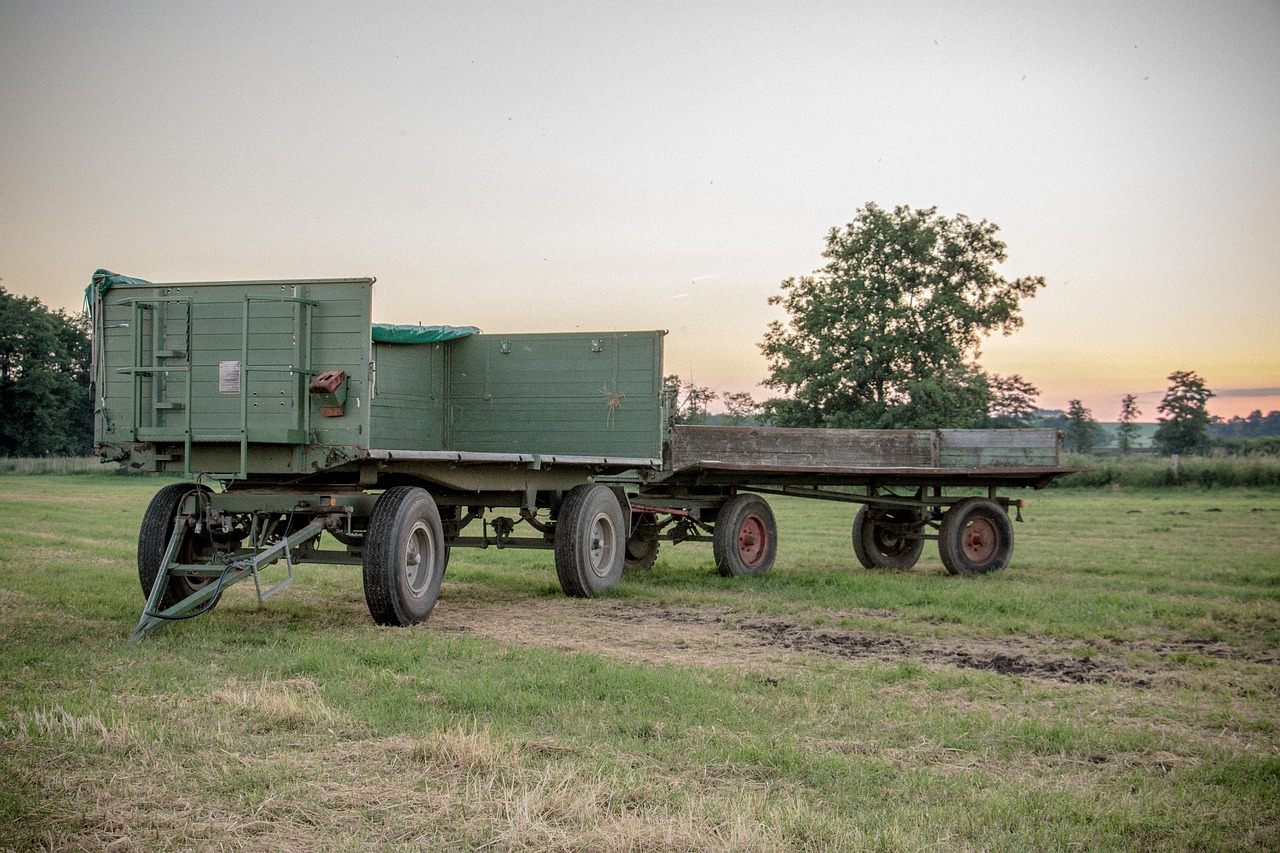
(980,541)
(753,540)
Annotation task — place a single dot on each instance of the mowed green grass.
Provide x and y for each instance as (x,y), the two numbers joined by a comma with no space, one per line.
(299,725)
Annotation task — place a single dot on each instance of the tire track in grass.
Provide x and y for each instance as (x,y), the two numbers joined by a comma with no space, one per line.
(722,637)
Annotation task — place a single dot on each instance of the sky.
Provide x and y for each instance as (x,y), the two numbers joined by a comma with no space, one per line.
(597,166)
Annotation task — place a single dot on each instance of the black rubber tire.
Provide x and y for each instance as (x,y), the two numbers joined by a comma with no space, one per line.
(153,541)
(745,537)
(877,548)
(590,541)
(976,537)
(404,557)
(642,553)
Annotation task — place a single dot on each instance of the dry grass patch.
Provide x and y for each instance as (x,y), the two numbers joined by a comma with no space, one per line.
(212,773)
(92,731)
(268,705)
(14,603)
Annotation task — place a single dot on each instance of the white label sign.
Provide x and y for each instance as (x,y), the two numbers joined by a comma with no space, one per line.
(229,377)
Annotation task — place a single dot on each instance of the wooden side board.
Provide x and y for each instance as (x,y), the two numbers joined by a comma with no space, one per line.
(768,449)
(998,448)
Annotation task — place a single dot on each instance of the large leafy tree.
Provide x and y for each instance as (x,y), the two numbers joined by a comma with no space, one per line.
(887,334)
(44,380)
(1184,414)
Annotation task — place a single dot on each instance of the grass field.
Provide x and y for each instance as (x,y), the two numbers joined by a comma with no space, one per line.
(1116,688)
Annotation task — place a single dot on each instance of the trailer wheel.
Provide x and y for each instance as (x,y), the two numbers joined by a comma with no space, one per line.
(745,538)
(358,542)
(642,547)
(153,541)
(879,546)
(404,557)
(976,537)
(590,541)
(641,554)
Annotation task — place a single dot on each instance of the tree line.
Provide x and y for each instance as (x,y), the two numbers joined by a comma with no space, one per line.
(1182,427)
(1255,425)
(45,409)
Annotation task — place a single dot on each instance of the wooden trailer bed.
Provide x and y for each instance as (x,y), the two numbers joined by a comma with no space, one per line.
(748,456)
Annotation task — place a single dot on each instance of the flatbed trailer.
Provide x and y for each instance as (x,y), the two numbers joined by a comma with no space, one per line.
(404,442)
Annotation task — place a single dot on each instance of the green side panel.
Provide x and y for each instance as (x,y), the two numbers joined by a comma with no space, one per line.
(564,394)
(408,402)
(208,362)
(215,376)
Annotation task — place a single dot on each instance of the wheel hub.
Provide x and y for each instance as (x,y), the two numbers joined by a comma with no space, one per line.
(979,540)
(753,540)
(600,546)
(419,557)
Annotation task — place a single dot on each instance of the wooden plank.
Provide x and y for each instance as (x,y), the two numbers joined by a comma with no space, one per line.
(999,457)
(999,448)
(801,448)
(993,438)
(764,448)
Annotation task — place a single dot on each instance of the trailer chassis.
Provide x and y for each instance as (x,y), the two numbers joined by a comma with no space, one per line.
(196,543)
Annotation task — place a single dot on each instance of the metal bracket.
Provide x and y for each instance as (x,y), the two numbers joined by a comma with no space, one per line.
(257,585)
(231,574)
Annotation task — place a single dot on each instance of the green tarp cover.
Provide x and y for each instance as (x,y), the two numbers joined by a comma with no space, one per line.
(104,280)
(386,333)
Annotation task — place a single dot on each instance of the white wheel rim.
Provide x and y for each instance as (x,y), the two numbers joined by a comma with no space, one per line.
(601,545)
(419,559)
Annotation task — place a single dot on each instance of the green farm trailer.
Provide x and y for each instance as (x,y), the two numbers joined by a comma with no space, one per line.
(293,419)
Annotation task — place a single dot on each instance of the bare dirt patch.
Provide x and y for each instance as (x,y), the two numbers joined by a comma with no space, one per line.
(722,637)
(1020,656)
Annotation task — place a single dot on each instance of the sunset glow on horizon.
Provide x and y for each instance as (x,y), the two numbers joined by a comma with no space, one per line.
(590,166)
